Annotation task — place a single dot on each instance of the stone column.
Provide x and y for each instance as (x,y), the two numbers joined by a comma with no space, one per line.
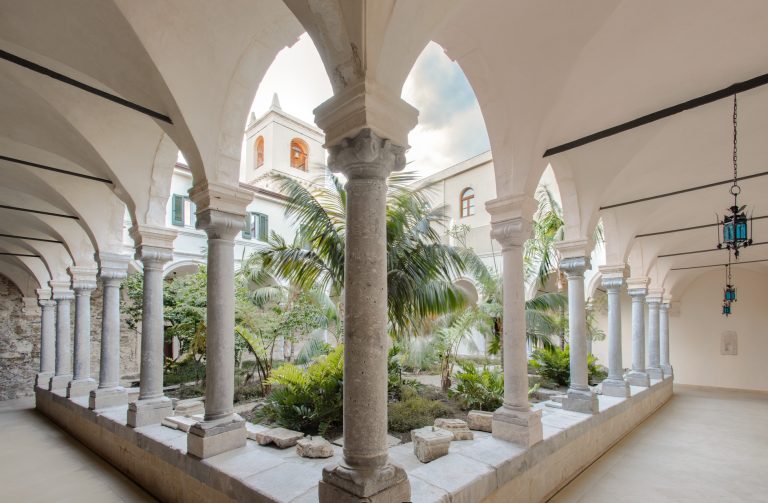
(220,213)
(637,289)
(63,367)
(113,270)
(152,406)
(514,421)
(83,282)
(664,338)
(614,385)
(653,299)
(574,261)
(47,338)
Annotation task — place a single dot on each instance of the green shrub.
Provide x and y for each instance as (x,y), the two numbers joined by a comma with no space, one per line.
(554,364)
(414,411)
(479,390)
(246,390)
(185,371)
(185,391)
(308,400)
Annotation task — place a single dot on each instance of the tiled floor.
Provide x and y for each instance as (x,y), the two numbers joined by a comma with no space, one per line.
(41,463)
(702,446)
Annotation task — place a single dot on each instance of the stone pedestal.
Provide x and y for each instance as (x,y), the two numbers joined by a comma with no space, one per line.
(522,427)
(103,398)
(43,380)
(59,382)
(388,484)
(150,411)
(206,439)
(81,387)
(580,398)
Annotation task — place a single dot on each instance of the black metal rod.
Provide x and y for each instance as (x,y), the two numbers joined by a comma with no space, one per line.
(44,240)
(692,228)
(726,92)
(683,191)
(80,85)
(20,254)
(705,251)
(718,265)
(55,170)
(40,212)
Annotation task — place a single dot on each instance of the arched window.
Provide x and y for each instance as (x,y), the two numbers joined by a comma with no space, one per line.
(467,202)
(259,148)
(299,154)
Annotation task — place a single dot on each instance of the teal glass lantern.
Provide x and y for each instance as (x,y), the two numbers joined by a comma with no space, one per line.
(726,308)
(730,294)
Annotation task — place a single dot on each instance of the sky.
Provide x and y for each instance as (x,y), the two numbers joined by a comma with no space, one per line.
(450,129)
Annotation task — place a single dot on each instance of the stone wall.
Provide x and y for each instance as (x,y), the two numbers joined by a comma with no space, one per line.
(19,342)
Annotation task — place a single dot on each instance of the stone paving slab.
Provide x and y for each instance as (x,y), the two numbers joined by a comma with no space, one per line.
(286,481)
(245,462)
(466,479)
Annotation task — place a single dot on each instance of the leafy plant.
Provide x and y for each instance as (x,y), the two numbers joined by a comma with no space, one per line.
(414,411)
(308,400)
(554,364)
(478,389)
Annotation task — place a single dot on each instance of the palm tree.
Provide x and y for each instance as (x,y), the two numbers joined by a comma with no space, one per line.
(420,267)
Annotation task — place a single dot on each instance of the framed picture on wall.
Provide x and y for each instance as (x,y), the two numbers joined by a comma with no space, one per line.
(729,343)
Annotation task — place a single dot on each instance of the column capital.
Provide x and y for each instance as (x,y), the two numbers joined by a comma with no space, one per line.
(83,278)
(113,266)
(503,209)
(511,233)
(61,290)
(220,224)
(365,105)
(43,294)
(637,288)
(613,275)
(48,303)
(654,295)
(222,198)
(366,155)
(574,266)
(152,236)
(577,248)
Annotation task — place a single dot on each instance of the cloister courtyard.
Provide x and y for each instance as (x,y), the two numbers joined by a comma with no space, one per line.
(516,253)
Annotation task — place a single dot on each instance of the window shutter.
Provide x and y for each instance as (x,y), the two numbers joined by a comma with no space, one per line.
(247,229)
(177,210)
(263,227)
(193,214)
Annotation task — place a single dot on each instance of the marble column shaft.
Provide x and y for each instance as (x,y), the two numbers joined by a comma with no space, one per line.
(664,339)
(47,336)
(614,384)
(63,333)
(514,421)
(653,369)
(83,283)
(638,375)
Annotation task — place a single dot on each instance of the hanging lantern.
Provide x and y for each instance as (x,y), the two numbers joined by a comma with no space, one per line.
(726,308)
(730,294)
(736,226)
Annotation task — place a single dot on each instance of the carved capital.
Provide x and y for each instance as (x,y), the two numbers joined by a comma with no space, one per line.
(61,290)
(83,278)
(580,248)
(506,208)
(46,304)
(220,224)
(511,233)
(612,283)
(43,294)
(154,257)
(637,288)
(113,267)
(574,266)
(654,296)
(152,236)
(220,198)
(367,155)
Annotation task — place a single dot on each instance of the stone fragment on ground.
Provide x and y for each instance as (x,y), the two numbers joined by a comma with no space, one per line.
(253,429)
(182,423)
(281,437)
(314,447)
(480,420)
(189,407)
(456,426)
(430,443)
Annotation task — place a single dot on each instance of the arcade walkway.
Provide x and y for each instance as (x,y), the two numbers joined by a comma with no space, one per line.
(41,463)
(702,446)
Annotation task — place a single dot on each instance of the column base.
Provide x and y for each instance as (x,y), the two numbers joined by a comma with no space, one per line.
(43,380)
(584,401)
(522,427)
(635,378)
(102,398)
(59,382)
(151,411)
(668,371)
(655,373)
(388,484)
(81,387)
(209,439)
(615,387)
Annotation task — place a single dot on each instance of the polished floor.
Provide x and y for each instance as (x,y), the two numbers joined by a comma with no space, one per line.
(41,463)
(703,446)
